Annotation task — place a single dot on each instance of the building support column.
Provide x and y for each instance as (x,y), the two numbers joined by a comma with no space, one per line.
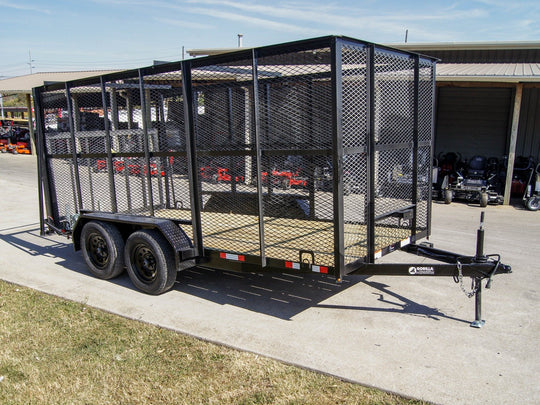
(30,124)
(513,142)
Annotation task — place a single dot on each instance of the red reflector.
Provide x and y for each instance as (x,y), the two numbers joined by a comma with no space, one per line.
(324,269)
(231,256)
(288,265)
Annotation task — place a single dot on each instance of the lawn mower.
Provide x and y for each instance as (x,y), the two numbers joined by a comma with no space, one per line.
(478,181)
(531,198)
(216,171)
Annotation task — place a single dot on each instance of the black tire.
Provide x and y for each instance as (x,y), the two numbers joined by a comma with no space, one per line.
(533,203)
(448,196)
(102,247)
(483,200)
(150,261)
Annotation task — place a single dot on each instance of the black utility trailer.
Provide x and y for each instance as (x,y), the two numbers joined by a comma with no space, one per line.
(217,162)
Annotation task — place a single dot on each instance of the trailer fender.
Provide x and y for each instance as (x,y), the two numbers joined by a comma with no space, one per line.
(181,244)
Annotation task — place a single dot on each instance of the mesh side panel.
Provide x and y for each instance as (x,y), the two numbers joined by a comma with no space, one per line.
(89,128)
(295,102)
(355,107)
(354,127)
(295,120)
(394,97)
(425,130)
(394,136)
(394,180)
(56,134)
(390,230)
(57,140)
(225,160)
(63,177)
(166,134)
(425,100)
(424,187)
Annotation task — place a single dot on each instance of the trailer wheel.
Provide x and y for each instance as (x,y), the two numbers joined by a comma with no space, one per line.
(533,203)
(102,247)
(150,261)
(483,200)
(447,196)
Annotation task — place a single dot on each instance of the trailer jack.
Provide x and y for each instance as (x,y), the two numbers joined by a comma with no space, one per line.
(481,258)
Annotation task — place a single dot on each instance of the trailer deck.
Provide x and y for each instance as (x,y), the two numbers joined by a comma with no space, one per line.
(284,235)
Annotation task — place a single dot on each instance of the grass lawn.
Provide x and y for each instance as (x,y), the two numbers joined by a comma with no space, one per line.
(55,351)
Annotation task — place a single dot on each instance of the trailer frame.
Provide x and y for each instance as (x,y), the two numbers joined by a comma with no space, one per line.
(137,146)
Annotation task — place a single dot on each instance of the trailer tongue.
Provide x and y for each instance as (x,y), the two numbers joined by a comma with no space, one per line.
(311,156)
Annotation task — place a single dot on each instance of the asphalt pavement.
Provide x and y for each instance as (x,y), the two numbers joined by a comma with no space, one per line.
(408,335)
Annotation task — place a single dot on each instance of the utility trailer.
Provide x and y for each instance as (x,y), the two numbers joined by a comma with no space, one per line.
(218,162)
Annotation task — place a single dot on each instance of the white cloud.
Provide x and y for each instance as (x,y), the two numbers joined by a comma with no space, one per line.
(183,23)
(256,21)
(23,7)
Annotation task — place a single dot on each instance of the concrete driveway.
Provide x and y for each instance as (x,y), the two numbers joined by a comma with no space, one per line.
(402,334)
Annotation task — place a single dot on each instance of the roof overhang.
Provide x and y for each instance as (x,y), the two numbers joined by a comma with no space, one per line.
(24,84)
(463,46)
(489,72)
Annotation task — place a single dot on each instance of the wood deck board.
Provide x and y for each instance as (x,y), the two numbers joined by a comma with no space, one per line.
(284,237)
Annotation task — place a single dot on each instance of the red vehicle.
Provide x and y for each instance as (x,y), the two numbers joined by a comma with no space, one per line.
(137,169)
(290,176)
(217,173)
(133,167)
(118,164)
(285,179)
(14,136)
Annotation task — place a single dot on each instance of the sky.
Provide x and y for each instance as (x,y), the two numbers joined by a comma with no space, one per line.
(64,35)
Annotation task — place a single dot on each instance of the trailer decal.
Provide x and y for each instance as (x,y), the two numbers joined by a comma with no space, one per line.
(421,270)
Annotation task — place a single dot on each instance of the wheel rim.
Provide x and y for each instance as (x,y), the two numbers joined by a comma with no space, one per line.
(98,251)
(144,263)
(534,203)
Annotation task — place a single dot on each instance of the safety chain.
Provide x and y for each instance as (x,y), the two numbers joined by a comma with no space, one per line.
(474,288)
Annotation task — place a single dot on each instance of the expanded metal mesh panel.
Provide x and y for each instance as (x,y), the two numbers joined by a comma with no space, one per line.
(355,96)
(394,116)
(223,122)
(295,123)
(426,76)
(295,101)
(355,135)
(424,187)
(62,176)
(394,97)
(57,138)
(88,120)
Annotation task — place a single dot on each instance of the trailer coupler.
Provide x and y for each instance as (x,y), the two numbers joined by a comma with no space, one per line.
(478,267)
